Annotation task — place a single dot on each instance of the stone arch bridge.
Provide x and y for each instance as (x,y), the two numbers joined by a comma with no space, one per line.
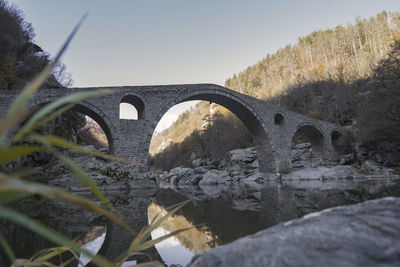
(272,127)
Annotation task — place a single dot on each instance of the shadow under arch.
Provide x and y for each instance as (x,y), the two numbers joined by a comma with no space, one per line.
(314,134)
(243,111)
(339,142)
(91,111)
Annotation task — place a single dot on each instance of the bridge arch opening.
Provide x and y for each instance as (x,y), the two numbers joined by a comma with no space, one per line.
(83,125)
(307,145)
(309,134)
(244,113)
(278,119)
(131,107)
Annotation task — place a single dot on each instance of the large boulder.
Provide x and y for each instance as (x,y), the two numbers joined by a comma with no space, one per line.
(211,178)
(365,234)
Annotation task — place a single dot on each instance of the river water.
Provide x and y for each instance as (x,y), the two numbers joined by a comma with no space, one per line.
(217,215)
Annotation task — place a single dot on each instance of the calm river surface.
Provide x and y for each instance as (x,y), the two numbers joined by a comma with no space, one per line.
(217,215)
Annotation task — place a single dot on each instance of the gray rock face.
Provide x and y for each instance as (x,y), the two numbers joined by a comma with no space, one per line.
(365,234)
(211,178)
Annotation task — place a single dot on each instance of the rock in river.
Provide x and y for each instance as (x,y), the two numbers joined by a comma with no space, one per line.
(365,234)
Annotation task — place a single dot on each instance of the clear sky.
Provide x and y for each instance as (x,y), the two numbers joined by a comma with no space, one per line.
(138,42)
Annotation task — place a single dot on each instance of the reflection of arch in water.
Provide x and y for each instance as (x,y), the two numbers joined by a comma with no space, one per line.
(314,134)
(243,111)
(91,111)
(195,239)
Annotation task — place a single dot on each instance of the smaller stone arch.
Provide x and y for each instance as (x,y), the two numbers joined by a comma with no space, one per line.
(136,102)
(279,119)
(314,134)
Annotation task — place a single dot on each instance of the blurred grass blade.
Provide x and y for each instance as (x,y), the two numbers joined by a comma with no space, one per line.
(145,233)
(44,255)
(151,243)
(48,233)
(6,248)
(16,175)
(11,153)
(11,122)
(85,179)
(67,262)
(80,174)
(46,119)
(10,197)
(61,142)
(58,195)
(52,106)
(20,102)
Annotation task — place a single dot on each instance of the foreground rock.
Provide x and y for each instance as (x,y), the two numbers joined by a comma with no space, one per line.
(241,166)
(365,234)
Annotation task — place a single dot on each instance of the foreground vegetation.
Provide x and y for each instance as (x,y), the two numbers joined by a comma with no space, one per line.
(19,138)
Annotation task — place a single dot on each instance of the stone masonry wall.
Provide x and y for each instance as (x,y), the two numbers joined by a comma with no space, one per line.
(131,138)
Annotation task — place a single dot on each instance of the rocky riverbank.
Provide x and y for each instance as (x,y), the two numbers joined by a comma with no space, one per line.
(236,178)
(365,234)
(241,165)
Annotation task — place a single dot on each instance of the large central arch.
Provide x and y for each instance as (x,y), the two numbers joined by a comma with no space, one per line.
(243,111)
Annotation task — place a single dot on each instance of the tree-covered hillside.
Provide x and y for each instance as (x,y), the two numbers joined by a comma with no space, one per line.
(346,75)
(342,54)
(20,58)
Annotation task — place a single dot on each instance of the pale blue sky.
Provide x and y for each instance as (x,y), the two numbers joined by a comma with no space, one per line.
(138,42)
(135,42)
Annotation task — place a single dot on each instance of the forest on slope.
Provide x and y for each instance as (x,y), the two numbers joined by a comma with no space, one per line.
(20,58)
(348,75)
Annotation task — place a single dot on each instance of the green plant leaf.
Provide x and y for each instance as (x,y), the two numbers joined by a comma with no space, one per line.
(17,175)
(20,102)
(10,197)
(11,153)
(46,254)
(18,186)
(150,243)
(85,179)
(48,233)
(7,248)
(142,237)
(66,263)
(53,106)
(9,123)
(47,118)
